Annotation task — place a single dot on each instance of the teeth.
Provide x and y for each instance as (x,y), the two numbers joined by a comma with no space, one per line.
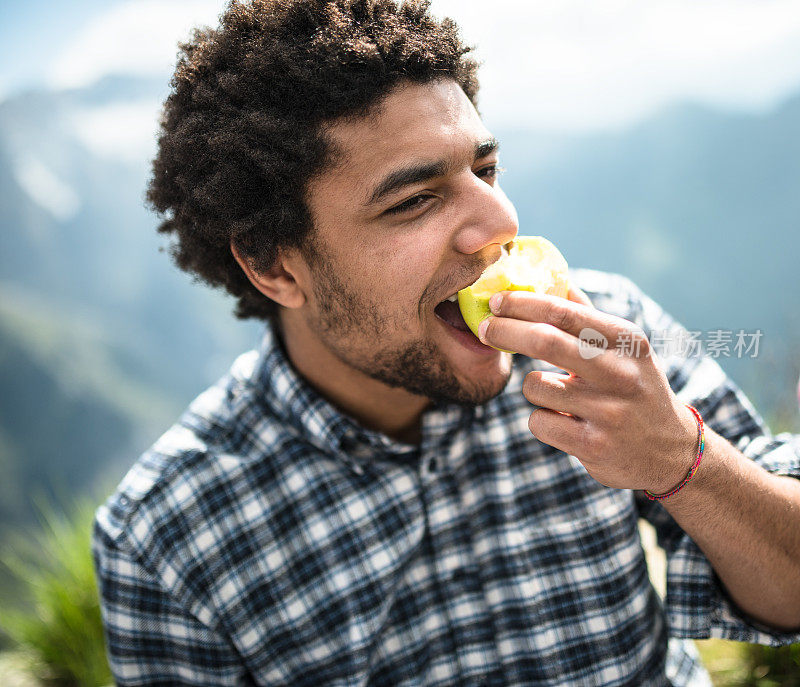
(453,298)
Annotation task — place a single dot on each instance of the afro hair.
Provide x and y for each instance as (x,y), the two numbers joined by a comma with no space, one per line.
(241,131)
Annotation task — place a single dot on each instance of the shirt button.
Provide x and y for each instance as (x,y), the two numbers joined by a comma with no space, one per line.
(432,464)
(458,574)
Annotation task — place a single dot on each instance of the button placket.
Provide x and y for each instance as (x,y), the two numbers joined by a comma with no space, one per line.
(457,578)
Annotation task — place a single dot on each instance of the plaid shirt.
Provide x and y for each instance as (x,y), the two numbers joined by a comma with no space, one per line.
(267,538)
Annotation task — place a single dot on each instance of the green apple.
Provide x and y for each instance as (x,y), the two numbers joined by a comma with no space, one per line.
(531,263)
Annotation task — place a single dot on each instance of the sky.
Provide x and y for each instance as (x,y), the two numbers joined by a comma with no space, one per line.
(573,65)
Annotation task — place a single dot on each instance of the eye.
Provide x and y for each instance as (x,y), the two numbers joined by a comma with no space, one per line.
(410,204)
(490,172)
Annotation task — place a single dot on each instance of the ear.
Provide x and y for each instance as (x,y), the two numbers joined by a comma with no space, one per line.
(278,283)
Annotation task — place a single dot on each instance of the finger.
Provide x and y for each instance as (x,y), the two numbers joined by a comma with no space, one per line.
(576,295)
(546,342)
(582,321)
(555,429)
(557,391)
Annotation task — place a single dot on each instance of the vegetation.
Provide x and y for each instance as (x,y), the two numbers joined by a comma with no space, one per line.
(59,634)
(734,664)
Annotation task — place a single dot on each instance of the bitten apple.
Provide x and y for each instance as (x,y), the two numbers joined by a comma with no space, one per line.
(532,263)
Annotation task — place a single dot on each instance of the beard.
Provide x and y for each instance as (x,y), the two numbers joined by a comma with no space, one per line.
(353,328)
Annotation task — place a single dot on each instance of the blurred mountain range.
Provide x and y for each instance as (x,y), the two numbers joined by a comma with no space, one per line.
(103,341)
(701,208)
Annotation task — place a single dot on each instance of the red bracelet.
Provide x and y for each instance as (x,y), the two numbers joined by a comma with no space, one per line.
(701,444)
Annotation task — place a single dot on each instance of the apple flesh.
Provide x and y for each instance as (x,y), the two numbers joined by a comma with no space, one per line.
(531,263)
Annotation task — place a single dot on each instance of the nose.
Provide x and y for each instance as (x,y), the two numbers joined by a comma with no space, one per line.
(486,217)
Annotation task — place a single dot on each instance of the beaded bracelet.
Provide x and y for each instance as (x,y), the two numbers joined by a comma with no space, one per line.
(701,444)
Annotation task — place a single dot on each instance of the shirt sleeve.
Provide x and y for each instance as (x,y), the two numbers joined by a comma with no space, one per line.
(150,638)
(696,604)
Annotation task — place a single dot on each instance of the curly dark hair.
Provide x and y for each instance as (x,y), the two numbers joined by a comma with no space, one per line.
(241,131)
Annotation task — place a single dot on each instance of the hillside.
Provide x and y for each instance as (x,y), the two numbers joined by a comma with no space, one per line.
(103,341)
(699,207)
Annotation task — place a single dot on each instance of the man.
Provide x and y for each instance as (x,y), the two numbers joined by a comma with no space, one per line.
(368,498)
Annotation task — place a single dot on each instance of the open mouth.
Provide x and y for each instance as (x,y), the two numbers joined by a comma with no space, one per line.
(449,312)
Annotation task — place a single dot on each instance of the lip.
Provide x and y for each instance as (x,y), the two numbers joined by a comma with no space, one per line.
(467,339)
(469,283)
(457,290)
(503,251)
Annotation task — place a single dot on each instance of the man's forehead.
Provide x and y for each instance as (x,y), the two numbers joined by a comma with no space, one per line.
(414,122)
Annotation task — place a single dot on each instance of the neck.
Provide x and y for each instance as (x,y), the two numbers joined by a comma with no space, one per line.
(393,411)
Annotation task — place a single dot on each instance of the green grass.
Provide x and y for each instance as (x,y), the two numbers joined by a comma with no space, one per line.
(61,635)
(735,664)
(725,661)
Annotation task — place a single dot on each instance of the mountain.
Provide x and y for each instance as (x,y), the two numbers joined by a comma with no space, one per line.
(103,341)
(700,207)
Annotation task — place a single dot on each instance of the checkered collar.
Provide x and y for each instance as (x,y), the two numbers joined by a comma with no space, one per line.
(315,418)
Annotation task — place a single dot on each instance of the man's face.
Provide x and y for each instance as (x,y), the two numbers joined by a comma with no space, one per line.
(410,215)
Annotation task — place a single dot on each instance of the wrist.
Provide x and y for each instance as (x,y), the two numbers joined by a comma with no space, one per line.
(684,456)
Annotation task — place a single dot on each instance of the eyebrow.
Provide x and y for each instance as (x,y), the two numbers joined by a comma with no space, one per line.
(415,173)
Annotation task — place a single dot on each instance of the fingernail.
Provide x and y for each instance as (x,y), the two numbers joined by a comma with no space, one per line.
(495,301)
(482,328)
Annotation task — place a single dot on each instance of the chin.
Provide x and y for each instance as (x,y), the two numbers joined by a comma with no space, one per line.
(482,385)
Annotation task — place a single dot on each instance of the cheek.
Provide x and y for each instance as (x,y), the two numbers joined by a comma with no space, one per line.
(400,276)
